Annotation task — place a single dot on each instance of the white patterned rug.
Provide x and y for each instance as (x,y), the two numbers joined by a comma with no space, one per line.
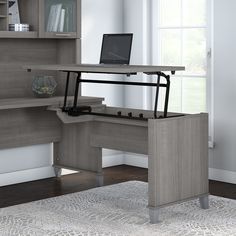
(116,210)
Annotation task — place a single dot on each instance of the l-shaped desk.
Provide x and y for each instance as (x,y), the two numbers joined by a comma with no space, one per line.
(176,144)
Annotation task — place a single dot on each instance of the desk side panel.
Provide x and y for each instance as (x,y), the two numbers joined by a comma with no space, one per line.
(178,159)
(30,126)
(82,142)
(74,150)
(123,137)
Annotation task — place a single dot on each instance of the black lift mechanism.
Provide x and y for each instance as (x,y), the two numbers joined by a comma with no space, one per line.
(84,110)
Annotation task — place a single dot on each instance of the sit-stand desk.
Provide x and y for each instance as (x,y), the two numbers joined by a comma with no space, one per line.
(176,144)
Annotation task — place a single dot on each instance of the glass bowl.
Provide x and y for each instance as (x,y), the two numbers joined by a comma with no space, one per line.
(44,86)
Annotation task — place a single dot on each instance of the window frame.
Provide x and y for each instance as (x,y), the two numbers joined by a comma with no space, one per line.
(153,7)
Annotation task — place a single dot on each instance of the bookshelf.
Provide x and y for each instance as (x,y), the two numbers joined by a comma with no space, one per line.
(45,20)
(20,35)
(3,14)
(24,119)
(37,46)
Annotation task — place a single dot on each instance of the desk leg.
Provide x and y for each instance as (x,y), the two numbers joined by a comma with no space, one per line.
(177,161)
(99,179)
(99,175)
(57,170)
(167,95)
(204,202)
(157,95)
(154,215)
(74,150)
(77,90)
(66,91)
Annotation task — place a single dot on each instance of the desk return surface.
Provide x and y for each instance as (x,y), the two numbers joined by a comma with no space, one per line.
(29,121)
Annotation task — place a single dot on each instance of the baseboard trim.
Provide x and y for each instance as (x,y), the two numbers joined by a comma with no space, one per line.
(112,160)
(48,172)
(136,160)
(222,175)
(214,174)
(26,175)
(108,161)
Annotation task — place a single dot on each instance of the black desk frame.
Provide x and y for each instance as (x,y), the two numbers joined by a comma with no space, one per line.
(84,110)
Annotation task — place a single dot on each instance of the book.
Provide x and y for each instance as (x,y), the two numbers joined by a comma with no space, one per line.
(56,17)
(62,21)
(14,16)
(50,18)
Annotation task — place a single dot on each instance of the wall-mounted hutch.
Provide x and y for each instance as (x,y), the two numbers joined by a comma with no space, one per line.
(21,119)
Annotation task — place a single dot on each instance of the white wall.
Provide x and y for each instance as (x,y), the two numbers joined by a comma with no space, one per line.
(134,23)
(99,17)
(223,156)
(25,164)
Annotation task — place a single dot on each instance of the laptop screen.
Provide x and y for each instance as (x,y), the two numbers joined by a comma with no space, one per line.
(116,48)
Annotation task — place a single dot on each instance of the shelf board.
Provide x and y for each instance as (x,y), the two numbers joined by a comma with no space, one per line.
(18,34)
(60,35)
(15,103)
(3,2)
(3,16)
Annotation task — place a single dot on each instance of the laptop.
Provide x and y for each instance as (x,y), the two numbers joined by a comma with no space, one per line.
(115,51)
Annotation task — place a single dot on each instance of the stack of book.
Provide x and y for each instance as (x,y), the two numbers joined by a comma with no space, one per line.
(56,18)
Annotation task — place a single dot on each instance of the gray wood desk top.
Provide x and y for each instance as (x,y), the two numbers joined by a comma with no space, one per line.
(14,103)
(113,69)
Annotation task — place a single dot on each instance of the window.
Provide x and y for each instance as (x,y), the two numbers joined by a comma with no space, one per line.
(182,40)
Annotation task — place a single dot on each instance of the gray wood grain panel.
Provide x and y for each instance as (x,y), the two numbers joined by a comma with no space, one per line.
(178,159)
(127,144)
(82,142)
(4,13)
(75,150)
(25,127)
(117,69)
(15,103)
(67,52)
(28,10)
(22,51)
(78,51)
(18,34)
(25,122)
(129,137)
(14,81)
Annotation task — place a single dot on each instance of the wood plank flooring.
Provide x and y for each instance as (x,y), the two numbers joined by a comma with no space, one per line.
(41,189)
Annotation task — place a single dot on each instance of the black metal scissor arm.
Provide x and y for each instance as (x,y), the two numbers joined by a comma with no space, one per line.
(75,111)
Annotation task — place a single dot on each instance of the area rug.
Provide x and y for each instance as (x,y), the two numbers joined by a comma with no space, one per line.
(116,210)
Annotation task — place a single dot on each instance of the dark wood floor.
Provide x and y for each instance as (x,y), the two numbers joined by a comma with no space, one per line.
(36,190)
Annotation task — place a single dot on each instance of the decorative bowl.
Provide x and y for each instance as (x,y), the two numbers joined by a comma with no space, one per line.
(44,86)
